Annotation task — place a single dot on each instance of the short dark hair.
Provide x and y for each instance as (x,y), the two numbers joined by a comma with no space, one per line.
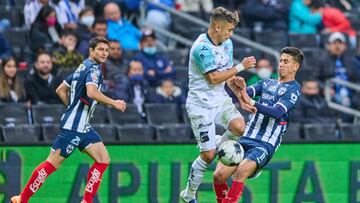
(221,13)
(85,10)
(316,4)
(70,32)
(42,53)
(97,40)
(296,53)
(99,21)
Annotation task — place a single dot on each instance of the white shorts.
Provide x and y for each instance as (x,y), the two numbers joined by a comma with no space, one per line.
(203,121)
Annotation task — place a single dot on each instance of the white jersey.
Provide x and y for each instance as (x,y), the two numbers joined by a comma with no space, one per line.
(206,57)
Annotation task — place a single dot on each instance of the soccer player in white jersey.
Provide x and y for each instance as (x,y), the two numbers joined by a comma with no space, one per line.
(80,92)
(210,66)
(264,132)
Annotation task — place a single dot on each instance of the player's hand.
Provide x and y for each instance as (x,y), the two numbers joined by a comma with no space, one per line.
(249,62)
(120,105)
(248,107)
(240,82)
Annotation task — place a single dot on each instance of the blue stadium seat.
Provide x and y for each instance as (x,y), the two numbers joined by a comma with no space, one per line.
(100,115)
(107,132)
(275,39)
(14,15)
(136,133)
(293,134)
(175,133)
(50,132)
(302,40)
(350,132)
(320,133)
(158,114)
(47,113)
(21,134)
(14,114)
(131,115)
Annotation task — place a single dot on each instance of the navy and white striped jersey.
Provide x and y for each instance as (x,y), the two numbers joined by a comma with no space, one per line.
(80,109)
(271,92)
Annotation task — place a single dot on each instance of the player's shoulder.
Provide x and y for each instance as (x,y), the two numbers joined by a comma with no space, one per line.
(228,42)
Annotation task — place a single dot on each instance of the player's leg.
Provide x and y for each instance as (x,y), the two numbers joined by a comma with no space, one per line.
(221,174)
(231,119)
(98,152)
(245,169)
(203,126)
(42,171)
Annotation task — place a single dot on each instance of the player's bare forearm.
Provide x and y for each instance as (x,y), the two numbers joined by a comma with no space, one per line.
(95,94)
(217,77)
(63,93)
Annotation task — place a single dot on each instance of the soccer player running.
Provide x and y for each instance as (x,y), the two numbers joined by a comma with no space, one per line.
(264,132)
(80,92)
(210,65)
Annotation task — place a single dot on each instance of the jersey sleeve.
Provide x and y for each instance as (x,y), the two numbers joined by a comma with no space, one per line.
(255,90)
(93,77)
(68,80)
(204,58)
(290,98)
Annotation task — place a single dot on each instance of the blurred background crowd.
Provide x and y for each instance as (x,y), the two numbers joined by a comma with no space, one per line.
(43,41)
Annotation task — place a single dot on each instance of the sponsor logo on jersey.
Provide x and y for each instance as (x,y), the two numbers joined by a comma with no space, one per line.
(39,180)
(95,177)
(95,75)
(272,88)
(267,96)
(282,90)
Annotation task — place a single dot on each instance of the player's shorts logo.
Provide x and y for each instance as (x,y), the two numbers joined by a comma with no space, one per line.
(204,137)
(203,125)
(70,148)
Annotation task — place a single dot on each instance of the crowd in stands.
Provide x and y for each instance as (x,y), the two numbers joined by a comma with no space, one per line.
(139,72)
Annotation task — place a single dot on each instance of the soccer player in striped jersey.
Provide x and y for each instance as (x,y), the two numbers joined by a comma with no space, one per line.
(80,92)
(264,132)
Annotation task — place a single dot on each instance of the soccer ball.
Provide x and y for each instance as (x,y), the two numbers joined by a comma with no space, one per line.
(230,153)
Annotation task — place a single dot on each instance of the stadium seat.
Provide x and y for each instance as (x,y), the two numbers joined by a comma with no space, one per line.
(304,40)
(14,15)
(47,113)
(100,115)
(273,39)
(303,74)
(181,73)
(175,133)
(293,134)
(185,116)
(107,132)
(21,134)
(50,132)
(350,132)
(178,57)
(241,53)
(18,37)
(312,56)
(320,133)
(131,115)
(136,133)
(13,114)
(158,114)
(244,32)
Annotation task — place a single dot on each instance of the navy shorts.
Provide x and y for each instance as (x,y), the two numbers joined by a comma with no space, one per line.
(258,151)
(68,140)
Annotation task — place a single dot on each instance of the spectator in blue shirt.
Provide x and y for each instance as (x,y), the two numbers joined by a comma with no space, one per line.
(156,66)
(120,29)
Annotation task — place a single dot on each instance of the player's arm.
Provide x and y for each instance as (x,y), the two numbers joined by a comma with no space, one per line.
(216,77)
(63,93)
(237,87)
(93,93)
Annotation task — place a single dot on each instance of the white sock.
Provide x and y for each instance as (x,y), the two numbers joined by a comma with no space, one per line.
(196,175)
(226,136)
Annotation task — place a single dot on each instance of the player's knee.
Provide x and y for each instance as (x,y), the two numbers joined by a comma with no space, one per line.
(55,158)
(219,177)
(239,128)
(242,174)
(208,156)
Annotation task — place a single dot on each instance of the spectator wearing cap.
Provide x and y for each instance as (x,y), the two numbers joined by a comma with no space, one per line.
(334,20)
(132,87)
(65,56)
(338,63)
(99,28)
(156,66)
(115,64)
(120,29)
